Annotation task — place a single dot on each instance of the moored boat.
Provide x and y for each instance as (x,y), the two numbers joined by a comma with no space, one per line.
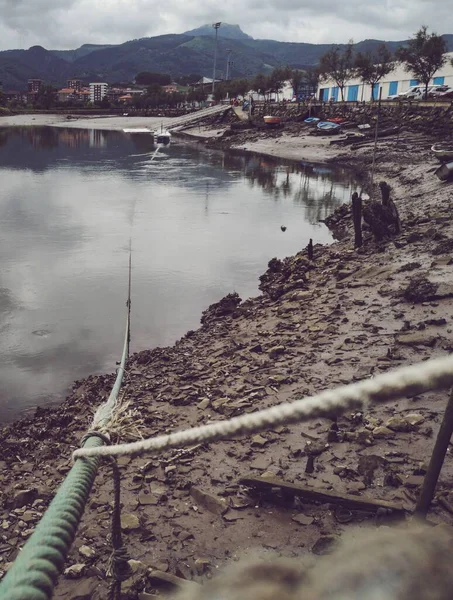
(328,127)
(311,120)
(162,137)
(443,152)
(271,120)
(445,171)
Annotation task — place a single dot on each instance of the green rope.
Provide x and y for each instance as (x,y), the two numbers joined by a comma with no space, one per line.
(34,573)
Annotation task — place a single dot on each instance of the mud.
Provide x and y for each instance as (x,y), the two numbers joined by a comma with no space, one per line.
(345,316)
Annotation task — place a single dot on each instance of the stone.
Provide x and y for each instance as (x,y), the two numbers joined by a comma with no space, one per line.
(325,545)
(214,504)
(276,351)
(355,486)
(414,419)
(303,519)
(382,432)
(87,552)
(417,338)
(24,497)
(397,423)
(75,571)
(261,463)
(86,589)
(414,481)
(129,522)
(168,581)
(259,440)
(204,404)
(137,566)
(148,500)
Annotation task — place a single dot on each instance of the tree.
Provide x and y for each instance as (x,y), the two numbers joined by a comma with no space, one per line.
(338,64)
(46,97)
(295,78)
(147,78)
(260,84)
(277,78)
(423,55)
(371,68)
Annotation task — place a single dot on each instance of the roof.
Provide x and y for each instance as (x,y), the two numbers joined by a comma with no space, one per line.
(66,91)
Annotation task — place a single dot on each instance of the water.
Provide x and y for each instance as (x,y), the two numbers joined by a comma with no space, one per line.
(204,224)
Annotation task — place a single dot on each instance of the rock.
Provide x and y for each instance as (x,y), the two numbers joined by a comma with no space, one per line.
(414,481)
(261,463)
(168,581)
(148,500)
(204,404)
(414,419)
(24,497)
(276,351)
(137,566)
(259,440)
(382,432)
(75,571)
(303,519)
(325,545)
(397,423)
(129,522)
(355,486)
(87,552)
(417,338)
(86,589)
(420,289)
(214,504)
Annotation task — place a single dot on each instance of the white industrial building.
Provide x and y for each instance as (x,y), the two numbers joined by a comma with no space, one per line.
(399,80)
(98,91)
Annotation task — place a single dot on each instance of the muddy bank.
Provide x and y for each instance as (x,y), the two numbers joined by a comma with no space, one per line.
(345,316)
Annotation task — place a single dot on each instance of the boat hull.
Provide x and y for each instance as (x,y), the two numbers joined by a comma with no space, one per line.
(442,153)
(271,120)
(445,171)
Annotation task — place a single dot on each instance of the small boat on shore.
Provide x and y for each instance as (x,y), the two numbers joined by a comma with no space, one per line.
(138,130)
(443,152)
(271,120)
(328,127)
(445,171)
(311,120)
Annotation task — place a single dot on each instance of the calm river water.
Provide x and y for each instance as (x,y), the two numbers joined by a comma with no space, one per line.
(204,224)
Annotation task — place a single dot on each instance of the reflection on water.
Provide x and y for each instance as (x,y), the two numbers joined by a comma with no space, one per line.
(203,224)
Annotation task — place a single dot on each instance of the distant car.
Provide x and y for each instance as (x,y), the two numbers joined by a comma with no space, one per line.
(437,90)
(445,93)
(416,92)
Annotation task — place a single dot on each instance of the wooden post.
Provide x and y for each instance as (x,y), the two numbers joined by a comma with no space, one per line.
(357,219)
(436,462)
(310,249)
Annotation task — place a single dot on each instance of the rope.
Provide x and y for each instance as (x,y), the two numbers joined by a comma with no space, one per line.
(408,381)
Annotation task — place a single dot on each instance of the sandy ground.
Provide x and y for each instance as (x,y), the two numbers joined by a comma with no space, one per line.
(345,316)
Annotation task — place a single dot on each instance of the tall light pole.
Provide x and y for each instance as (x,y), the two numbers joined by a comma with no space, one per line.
(228,64)
(216,27)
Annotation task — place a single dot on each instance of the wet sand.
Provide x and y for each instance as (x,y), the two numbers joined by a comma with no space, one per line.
(345,316)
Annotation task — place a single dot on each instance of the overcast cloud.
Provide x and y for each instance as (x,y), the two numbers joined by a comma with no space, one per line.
(63,25)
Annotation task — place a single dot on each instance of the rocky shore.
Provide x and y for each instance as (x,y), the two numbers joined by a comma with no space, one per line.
(344,316)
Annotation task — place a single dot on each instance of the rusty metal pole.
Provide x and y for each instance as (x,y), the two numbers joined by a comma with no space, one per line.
(436,462)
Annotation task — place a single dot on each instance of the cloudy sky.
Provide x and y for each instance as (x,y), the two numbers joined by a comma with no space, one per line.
(57,24)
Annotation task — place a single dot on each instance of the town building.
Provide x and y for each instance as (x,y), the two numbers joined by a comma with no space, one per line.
(98,91)
(74,84)
(34,86)
(172,88)
(399,80)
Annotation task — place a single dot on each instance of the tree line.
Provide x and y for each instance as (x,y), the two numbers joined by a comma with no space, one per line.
(422,56)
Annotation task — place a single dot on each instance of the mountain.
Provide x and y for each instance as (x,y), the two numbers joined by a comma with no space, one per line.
(73,55)
(176,54)
(231,32)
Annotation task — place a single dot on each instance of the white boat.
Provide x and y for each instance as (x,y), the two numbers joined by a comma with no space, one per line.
(443,152)
(162,137)
(138,130)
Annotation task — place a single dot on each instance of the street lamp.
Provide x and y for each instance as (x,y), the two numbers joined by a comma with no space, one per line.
(228,64)
(216,27)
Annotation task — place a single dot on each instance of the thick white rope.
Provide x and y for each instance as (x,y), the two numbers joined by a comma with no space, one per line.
(407,381)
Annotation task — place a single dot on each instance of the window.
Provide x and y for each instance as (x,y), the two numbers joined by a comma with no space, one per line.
(438,80)
(334,94)
(375,92)
(413,82)
(353,93)
(324,94)
(393,88)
